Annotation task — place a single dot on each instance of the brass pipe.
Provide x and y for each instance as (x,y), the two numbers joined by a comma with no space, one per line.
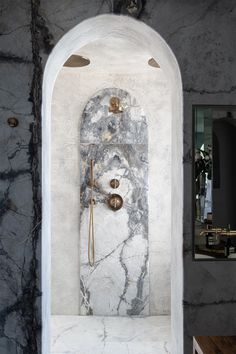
(91,238)
(219,231)
(91,243)
(91,173)
(214,230)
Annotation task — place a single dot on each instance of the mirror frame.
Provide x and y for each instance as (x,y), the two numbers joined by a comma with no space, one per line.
(194,107)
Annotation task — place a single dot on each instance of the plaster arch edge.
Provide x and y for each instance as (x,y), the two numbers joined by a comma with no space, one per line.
(89,30)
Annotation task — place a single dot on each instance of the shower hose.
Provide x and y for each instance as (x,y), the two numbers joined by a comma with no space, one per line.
(91,242)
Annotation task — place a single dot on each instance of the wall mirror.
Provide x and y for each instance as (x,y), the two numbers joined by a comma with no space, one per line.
(214,182)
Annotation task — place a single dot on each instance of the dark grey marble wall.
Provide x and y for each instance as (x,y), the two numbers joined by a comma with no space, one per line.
(202,36)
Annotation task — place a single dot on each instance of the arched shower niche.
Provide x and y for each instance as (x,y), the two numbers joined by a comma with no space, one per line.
(118,49)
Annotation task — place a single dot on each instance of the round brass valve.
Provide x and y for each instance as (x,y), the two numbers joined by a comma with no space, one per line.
(114,183)
(115,202)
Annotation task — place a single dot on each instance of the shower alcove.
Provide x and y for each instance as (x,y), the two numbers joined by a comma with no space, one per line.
(139,275)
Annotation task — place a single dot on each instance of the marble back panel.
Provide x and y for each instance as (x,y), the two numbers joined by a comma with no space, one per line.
(118,283)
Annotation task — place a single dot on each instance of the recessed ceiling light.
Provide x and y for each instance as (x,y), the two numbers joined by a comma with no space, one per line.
(76,61)
(152,62)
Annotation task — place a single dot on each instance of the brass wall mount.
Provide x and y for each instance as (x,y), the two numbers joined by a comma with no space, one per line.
(152,62)
(115,105)
(115,202)
(114,183)
(76,61)
(12,122)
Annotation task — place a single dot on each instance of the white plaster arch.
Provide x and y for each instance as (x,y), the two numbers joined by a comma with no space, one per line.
(97,28)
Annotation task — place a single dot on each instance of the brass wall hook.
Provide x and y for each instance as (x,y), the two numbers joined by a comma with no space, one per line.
(12,122)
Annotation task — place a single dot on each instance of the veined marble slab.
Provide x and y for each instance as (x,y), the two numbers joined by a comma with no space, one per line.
(66,172)
(118,284)
(106,335)
(99,125)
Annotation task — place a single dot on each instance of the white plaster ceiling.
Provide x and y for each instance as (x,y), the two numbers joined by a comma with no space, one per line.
(115,55)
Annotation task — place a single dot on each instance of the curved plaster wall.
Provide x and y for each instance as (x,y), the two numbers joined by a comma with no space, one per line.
(72,90)
(86,32)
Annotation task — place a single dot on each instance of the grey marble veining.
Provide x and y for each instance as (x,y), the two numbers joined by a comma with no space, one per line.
(121,237)
(201,34)
(100,125)
(106,335)
(20,183)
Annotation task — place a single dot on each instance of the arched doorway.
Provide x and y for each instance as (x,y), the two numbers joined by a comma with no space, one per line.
(91,30)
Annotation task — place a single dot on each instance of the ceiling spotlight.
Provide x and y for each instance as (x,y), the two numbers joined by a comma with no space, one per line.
(76,61)
(152,62)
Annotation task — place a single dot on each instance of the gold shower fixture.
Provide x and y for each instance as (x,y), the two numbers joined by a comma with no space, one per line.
(12,122)
(152,62)
(76,61)
(115,202)
(115,105)
(114,183)
(219,231)
(91,238)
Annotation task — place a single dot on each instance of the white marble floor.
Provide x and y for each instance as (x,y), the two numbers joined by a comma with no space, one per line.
(110,335)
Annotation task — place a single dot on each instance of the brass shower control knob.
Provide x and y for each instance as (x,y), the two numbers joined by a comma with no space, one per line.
(115,202)
(114,183)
